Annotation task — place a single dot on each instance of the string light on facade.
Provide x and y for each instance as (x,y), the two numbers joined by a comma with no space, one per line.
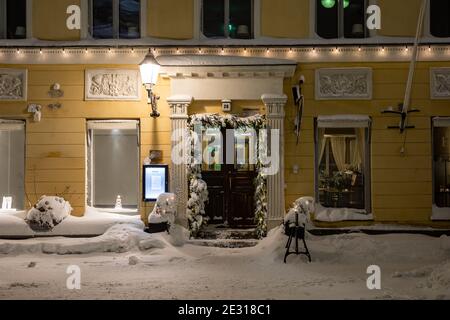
(401,51)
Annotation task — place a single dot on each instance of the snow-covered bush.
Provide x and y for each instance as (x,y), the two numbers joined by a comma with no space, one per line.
(47,213)
(165,209)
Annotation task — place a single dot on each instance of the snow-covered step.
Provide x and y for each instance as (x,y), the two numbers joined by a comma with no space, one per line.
(224,243)
(224,233)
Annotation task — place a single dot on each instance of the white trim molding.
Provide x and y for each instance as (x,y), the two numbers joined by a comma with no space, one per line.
(112,84)
(13,84)
(275,113)
(440,83)
(343,84)
(209,77)
(178,173)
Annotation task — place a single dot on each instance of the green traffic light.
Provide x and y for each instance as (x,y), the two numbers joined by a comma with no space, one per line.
(346,3)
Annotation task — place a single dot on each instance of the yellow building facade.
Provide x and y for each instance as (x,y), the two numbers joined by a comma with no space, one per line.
(401,183)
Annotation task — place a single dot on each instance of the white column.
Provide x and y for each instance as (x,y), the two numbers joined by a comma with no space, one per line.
(178,175)
(275,183)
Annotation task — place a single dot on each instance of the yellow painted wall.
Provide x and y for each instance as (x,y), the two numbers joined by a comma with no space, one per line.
(49,20)
(399,17)
(56,146)
(285,18)
(401,185)
(170,19)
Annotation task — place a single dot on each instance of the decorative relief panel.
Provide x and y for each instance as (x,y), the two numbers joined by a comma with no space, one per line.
(344,84)
(112,84)
(440,83)
(13,84)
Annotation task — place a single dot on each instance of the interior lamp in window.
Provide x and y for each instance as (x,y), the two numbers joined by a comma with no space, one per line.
(328,3)
(149,74)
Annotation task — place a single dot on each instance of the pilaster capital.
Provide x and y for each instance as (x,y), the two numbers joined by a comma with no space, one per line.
(179,105)
(275,104)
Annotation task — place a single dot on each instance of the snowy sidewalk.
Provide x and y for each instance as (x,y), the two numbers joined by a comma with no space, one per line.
(126,263)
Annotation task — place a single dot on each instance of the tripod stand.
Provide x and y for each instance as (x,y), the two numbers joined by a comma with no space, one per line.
(298,232)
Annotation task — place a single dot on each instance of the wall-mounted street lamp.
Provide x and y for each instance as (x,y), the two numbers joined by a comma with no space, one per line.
(149,75)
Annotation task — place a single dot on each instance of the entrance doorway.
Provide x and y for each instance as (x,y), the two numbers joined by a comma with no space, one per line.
(230,183)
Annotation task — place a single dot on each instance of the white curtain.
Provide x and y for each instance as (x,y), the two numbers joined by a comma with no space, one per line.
(322,144)
(357,149)
(338,148)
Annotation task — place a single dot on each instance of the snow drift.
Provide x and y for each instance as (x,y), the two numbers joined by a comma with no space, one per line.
(119,238)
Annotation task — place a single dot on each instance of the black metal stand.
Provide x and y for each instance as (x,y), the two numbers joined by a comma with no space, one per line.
(297,232)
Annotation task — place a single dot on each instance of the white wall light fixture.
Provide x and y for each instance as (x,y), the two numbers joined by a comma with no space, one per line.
(149,74)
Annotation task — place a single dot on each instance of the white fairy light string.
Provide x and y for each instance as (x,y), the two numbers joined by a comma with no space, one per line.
(428,52)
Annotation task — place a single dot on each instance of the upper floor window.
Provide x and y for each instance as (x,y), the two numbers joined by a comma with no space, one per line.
(112,19)
(13,19)
(439,18)
(341,18)
(228,19)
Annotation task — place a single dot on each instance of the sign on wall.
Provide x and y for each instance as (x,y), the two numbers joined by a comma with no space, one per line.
(112,84)
(13,84)
(344,84)
(440,83)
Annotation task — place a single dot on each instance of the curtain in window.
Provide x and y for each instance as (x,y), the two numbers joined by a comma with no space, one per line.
(338,148)
(357,150)
(322,144)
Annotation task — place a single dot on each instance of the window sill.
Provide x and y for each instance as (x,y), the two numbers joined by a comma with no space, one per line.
(324,214)
(123,211)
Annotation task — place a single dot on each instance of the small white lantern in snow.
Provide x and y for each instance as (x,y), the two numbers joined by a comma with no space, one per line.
(118,205)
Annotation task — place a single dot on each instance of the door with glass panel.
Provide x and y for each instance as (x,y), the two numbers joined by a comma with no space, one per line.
(113,164)
(229,173)
(12,164)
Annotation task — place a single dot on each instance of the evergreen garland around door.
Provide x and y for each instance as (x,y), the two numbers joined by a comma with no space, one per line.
(198,190)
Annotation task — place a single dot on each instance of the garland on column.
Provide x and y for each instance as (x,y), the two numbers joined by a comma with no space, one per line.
(198,191)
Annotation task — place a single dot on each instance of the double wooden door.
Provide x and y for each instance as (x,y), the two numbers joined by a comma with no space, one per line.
(231,185)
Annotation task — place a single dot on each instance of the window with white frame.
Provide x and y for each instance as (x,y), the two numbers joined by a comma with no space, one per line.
(441,162)
(12,164)
(343,162)
(113,163)
(439,18)
(13,19)
(341,19)
(228,19)
(113,19)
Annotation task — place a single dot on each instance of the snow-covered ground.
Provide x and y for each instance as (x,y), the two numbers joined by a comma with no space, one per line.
(126,263)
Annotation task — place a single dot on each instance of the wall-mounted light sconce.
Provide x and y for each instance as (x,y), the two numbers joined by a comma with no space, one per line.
(295,169)
(149,75)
